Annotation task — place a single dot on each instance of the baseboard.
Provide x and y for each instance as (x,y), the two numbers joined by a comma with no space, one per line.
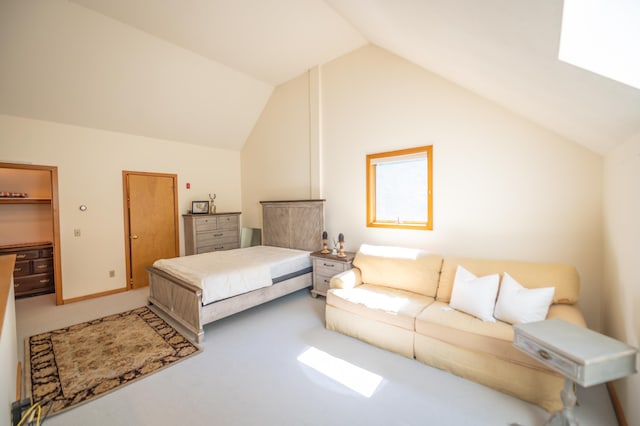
(94,295)
(617,407)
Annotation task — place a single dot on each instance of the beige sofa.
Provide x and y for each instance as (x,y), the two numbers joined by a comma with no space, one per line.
(398,299)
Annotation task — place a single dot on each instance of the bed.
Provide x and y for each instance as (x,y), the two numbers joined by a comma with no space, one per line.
(186,293)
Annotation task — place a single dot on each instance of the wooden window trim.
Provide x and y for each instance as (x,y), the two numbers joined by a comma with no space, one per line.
(371,190)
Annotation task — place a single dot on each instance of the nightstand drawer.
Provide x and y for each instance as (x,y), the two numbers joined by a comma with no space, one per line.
(329,267)
(228,222)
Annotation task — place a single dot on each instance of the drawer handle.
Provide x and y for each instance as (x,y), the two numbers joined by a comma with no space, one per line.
(329,265)
(326,281)
(17,269)
(218,235)
(219,248)
(544,354)
(44,280)
(20,256)
(41,266)
(16,285)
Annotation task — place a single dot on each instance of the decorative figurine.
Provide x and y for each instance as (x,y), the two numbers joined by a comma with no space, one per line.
(334,251)
(341,241)
(325,250)
(212,206)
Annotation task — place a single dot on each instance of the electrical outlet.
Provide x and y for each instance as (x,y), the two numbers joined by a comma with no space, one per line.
(112,273)
(76,232)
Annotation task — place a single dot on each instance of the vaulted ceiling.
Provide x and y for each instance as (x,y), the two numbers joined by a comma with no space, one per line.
(503,50)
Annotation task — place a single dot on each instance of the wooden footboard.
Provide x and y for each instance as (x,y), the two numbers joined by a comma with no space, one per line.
(182,301)
(178,299)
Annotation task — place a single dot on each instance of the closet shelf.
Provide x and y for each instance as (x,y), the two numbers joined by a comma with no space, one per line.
(8,200)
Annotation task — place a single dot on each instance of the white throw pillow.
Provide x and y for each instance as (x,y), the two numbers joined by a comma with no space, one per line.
(473,295)
(518,305)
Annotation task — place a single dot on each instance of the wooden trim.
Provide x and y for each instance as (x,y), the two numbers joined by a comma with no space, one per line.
(57,254)
(617,406)
(7,263)
(55,219)
(94,295)
(370,190)
(19,381)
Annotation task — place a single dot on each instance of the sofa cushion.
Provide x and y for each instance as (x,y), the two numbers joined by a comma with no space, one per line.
(473,295)
(407,269)
(387,305)
(441,322)
(530,274)
(518,305)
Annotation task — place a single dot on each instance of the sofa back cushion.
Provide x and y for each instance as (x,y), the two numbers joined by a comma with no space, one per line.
(530,274)
(401,268)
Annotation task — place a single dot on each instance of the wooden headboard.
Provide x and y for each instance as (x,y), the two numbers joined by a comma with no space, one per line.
(294,224)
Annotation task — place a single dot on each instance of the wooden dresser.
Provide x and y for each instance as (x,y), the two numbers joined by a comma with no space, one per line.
(33,270)
(211,232)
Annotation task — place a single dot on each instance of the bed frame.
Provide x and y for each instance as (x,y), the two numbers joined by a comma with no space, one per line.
(291,224)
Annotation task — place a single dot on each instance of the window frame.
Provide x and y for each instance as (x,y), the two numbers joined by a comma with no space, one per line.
(372,160)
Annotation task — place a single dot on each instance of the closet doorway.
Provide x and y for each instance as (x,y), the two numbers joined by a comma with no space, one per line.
(151,222)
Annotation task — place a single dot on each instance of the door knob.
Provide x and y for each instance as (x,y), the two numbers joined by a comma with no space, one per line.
(134,237)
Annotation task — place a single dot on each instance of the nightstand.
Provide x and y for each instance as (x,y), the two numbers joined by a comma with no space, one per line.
(326,266)
(579,354)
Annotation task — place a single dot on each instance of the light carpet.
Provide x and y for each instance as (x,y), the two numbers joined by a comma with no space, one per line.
(73,365)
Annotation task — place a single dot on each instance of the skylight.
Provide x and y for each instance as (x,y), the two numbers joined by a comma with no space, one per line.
(602,36)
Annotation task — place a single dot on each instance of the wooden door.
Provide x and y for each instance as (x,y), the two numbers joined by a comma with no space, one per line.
(151,222)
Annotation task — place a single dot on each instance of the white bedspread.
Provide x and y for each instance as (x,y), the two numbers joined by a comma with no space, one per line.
(224,274)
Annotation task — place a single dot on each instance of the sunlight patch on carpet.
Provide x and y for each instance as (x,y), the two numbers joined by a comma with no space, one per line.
(355,378)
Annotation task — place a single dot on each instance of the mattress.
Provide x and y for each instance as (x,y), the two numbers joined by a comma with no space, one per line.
(223,274)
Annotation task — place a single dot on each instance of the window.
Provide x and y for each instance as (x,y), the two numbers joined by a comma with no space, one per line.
(399,189)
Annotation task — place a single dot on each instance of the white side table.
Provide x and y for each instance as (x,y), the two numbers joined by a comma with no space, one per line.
(579,354)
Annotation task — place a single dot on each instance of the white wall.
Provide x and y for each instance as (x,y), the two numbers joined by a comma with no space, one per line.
(90,164)
(503,187)
(621,292)
(65,63)
(275,158)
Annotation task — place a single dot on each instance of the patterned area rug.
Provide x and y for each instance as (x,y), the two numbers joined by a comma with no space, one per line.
(76,364)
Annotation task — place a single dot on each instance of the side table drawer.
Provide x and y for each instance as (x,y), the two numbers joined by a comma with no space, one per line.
(27,254)
(548,357)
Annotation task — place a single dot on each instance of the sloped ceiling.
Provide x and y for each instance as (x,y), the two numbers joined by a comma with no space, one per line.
(208,66)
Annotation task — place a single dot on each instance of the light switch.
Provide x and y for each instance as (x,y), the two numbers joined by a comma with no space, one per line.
(76,232)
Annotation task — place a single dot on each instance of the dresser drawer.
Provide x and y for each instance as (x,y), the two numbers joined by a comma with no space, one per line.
(46,252)
(27,254)
(40,266)
(209,223)
(21,268)
(218,246)
(216,237)
(228,222)
(33,283)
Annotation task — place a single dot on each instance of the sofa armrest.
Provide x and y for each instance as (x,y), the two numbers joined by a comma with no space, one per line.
(347,279)
(569,313)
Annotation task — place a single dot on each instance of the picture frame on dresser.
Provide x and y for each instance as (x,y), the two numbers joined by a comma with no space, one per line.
(199,207)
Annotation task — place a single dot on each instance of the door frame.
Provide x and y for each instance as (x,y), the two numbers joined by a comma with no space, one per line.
(127,230)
